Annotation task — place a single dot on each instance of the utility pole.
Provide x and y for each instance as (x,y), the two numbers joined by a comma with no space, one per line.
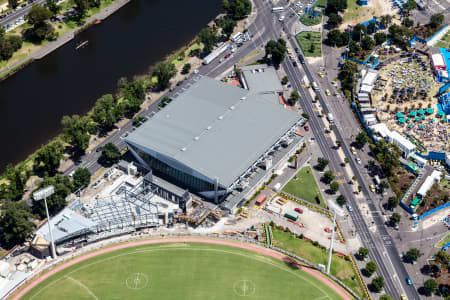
(42,194)
(330,253)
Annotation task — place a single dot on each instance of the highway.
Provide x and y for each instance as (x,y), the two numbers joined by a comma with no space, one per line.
(263,28)
(22,12)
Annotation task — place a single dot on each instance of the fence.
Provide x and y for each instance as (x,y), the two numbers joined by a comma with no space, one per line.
(433,211)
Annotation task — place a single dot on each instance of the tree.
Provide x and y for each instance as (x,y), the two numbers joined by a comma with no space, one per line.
(284,80)
(442,257)
(82,6)
(363,252)
(392,202)
(164,72)
(334,6)
(277,50)
(362,138)
(81,178)
(227,25)
(413,254)
(13,3)
(312,48)
(15,223)
(410,5)
(338,144)
(367,43)
(57,201)
(436,20)
(388,155)
(47,158)
(322,163)
(347,75)
(385,20)
(385,297)
(334,20)
(383,186)
(408,22)
(237,9)
(105,113)
(328,176)
(208,37)
(380,37)
(341,200)
(52,5)
(378,284)
(334,186)
(294,96)
(186,68)
(430,286)
(337,38)
(16,183)
(371,267)
(134,94)
(395,219)
(110,154)
(76,131)
(38,17)
(346,160)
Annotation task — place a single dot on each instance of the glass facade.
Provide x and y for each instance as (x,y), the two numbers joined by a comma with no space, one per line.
(175,176)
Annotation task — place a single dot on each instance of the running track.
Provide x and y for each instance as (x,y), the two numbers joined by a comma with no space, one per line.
(267,252)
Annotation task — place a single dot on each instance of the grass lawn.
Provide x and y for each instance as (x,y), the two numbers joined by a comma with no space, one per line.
(305,187)
(309,21)
(352,10)
(320,3)
(181,271)
(340,268)
(444,241)
(305,43)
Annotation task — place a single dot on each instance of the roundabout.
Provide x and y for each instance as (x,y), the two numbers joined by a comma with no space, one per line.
(181,268)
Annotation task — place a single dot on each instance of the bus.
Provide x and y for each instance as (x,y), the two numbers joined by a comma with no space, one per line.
(236,37)
(277,9)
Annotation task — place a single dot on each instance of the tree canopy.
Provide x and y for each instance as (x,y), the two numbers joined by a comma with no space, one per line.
(337,38)
(335,6)
(371,267)
(237,9)
(227,25)
(413,254)
(334,20)
(110,154)
(81,178)
(16,183)
(57,201)
(395,219)
(76,131)
(362,138)
(105,112)
(328,176)
(363,252)
(208,37)
(388,155)
(164,71)
(38,17)
(47,158)
(334,186)
(430,286)
(436,20)
(341,200)
(392,202)
(277,50)
(378,284)
(322,163)
(15,223)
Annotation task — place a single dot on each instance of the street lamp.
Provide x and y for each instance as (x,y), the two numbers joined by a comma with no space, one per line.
(43,194)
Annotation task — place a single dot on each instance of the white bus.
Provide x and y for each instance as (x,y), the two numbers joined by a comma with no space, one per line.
(237,37)
(277,9)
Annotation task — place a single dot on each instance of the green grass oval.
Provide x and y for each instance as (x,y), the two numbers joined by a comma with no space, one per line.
(181,271)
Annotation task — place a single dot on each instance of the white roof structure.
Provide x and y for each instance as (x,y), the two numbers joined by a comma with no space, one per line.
(438,60)
(381,129)
(402,141)
(435,177)
(370,77)
(366,89)
(4,269)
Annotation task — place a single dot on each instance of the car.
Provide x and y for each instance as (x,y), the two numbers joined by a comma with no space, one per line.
(299,210)
(409,281)
(294,63)
(301,59)
(296,50)
(353,150)
(306,128)
(222,59)
(320,74)
(358,160)
(228,55)
(23,5)
(71,173)
(327,91)
(350,208)
(179,82)
(372,188)
(99,149)
(403,297)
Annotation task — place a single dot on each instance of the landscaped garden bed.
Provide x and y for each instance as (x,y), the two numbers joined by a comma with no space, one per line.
(310,42)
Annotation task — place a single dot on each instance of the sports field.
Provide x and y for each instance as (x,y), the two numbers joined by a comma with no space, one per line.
(182,270)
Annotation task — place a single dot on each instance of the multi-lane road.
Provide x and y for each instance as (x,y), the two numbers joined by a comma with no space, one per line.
(19,13)
(265,26)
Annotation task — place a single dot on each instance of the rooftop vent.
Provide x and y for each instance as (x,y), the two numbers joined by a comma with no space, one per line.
(243,98)
(196,138)
(208,128)
(167,116)
(183,149)
(220,117)
(232,107)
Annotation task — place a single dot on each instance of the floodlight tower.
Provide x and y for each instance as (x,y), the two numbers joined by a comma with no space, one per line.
(331,243)
(43,194)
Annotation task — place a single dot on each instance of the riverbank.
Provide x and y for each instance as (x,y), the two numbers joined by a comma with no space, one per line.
(48,47)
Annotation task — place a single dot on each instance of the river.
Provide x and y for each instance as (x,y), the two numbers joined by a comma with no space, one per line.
(69,81)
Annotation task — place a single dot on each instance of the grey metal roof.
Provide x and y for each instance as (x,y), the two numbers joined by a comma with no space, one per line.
(215,129)
(261,79)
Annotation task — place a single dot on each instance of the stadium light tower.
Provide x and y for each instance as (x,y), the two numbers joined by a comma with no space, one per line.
(331,243)
(43,194)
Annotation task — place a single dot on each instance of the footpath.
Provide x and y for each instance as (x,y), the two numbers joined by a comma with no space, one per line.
(50,47)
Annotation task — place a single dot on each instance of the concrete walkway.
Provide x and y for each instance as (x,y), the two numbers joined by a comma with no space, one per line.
(50,47)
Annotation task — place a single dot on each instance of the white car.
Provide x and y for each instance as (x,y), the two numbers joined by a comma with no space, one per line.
(358,160)
(281,19)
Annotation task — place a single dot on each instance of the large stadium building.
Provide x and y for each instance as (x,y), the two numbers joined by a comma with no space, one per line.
(217,140)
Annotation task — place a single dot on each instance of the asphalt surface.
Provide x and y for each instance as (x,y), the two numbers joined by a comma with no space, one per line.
(264,27)
(19,13)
